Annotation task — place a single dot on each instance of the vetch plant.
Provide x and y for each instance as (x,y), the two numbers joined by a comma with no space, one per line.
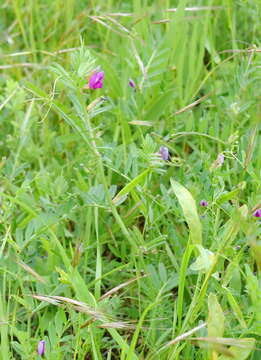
(96,80)
(218,162)
(164,153)
(106,183)
(41,348)
(220,159)
(257,213)
(203,203)
(132,83)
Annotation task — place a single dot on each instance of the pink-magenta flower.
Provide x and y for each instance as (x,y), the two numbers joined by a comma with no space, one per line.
(41,348)
(96,80)
(257,213)
(132,83)
(203,203)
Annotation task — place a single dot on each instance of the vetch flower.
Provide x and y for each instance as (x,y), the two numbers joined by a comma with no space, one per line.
(96,80)
(132,83)
(164,153)
(218,162)
(203,203)
(41,348)
(257,213)
(220,159)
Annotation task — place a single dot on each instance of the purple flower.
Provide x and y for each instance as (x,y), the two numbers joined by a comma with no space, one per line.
(96,80)
(218,162)
(257,213)
(220,159)
(164,153)
(41,348)
(132,83)
(203,203)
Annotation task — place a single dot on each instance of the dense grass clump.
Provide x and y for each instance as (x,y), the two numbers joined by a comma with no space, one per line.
(130,179)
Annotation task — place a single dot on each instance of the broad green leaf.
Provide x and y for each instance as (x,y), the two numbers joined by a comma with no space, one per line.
(241,351)
(256,252)
(227,196)
(190,211)
(131,185)
(216,318)
(163,273)
(232,227)
(253,287)
(204,261)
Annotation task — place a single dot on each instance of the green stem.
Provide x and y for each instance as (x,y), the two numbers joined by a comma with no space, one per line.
(101,171)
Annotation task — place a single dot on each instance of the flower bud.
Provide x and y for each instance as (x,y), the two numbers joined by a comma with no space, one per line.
(41,348)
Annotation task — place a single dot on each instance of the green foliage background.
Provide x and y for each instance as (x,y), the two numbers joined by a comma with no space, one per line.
(87,203)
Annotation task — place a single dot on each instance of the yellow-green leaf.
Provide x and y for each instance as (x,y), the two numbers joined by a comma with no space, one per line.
(131,185)
(189,208)
(216,318)
(204,261)
(241,351)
